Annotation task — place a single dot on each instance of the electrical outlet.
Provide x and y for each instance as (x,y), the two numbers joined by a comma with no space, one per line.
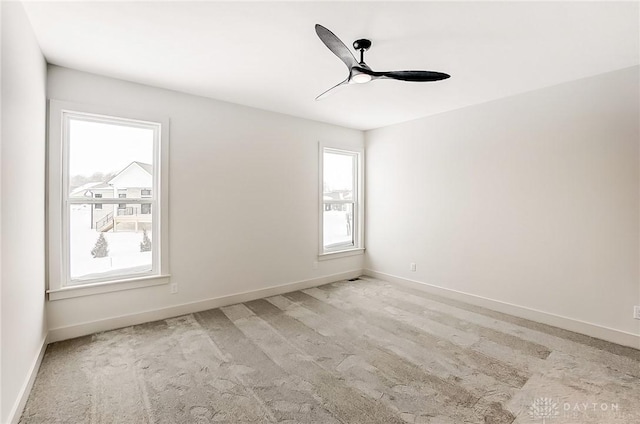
(174,288)
(636,312)
(412,266)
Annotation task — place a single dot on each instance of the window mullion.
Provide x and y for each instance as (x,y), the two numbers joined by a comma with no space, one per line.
(108,200)
(337,202)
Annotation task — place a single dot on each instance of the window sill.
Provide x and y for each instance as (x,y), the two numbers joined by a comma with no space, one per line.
(340,254)
(108,287)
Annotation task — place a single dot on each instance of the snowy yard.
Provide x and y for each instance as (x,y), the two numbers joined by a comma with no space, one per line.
(124,248)
(337,227)
(124,245)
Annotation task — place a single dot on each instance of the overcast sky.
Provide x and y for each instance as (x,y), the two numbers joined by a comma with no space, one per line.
(338,171)
(97,147)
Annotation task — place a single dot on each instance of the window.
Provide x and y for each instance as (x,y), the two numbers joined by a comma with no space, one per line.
(103,159)
(341,200)
(97,205)
(145,193)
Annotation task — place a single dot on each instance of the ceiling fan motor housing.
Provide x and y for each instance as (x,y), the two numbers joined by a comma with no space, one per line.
(362,44)
(359,71)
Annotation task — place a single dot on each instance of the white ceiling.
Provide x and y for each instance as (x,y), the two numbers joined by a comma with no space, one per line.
(267,55)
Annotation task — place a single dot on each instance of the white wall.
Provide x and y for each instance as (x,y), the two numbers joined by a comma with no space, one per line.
(530,200)
(243,205)
(22,212)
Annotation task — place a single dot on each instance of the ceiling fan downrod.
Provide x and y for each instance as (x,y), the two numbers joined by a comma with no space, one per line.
(360,72)
(363,45)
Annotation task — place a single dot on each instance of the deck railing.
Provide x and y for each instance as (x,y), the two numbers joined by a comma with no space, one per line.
(104,222)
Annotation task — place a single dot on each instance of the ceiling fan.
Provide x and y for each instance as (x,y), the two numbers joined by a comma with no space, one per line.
(360,72)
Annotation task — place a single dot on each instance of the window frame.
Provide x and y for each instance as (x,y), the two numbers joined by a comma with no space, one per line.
(59,284)
(357,201)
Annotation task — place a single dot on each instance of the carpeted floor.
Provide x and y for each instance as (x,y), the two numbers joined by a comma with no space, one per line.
(349,352)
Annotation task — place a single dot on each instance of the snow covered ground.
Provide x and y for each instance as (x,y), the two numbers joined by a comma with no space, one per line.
(124,248)
(336,227)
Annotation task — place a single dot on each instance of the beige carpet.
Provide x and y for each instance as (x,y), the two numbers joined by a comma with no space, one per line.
(350,352)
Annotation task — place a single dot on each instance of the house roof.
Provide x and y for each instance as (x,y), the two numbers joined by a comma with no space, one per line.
(147,167)
(95,185)
(144,166)
(80,191)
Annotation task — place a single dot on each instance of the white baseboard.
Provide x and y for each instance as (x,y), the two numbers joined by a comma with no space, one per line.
(69,332)
(23,396)
(577,326)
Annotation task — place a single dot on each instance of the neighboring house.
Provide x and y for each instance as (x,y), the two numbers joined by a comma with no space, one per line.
(337,195)
(133,182)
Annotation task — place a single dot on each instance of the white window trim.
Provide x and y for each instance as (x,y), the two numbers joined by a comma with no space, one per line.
(58,243)
(358,213)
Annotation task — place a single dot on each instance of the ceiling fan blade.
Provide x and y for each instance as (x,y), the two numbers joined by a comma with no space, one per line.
(416,76)
(336,46)
(332,89)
